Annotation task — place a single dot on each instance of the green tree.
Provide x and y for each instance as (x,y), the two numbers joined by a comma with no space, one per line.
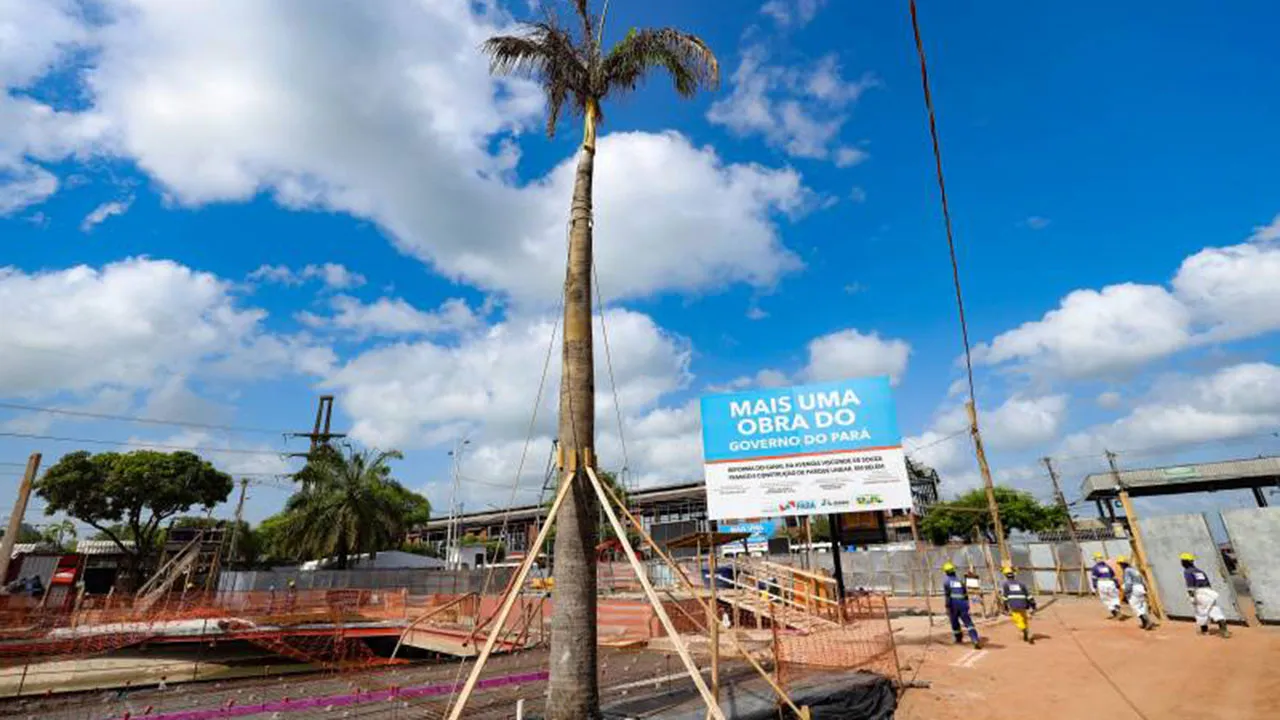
(968,514)
(575,69)
(126,496)
(347,505)
(61,534)
(26,534)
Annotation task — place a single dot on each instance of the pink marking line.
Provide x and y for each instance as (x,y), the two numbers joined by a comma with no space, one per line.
(358,698)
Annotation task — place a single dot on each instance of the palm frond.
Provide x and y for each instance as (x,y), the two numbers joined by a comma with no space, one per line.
(544,52)
(686,58)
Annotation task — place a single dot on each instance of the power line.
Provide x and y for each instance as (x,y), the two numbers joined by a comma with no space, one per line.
(156,446)
(138,419)
(939,441)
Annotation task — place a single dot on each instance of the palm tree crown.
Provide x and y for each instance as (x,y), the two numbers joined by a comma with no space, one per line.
(574,70)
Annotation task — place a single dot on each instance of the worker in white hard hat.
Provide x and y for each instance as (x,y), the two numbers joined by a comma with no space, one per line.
(1104,584)
(1135,591)
(1204,599)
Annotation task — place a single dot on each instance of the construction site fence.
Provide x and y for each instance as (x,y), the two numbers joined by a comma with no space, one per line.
(415,582)
(1059,568)
(862,641)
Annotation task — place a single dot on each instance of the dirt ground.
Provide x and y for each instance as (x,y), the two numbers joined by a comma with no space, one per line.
(1085,665)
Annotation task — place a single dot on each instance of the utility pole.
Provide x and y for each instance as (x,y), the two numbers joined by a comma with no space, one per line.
(452,543)
(1062,499)
(1139,549)
(235,529)
(837,569)
(320,434)
(985,469)
(19,511)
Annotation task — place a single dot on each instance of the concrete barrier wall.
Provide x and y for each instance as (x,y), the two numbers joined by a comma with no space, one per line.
(1167,537)
(417,582)
(1255,537)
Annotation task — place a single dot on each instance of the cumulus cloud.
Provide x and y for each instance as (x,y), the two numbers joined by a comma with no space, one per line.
(1096,332)
(1217,294)
(130,324)
(107,209)
(391,317)
(792,13)
(1229,403)
(850,353)
(798,110)
(388,112)
(333,275)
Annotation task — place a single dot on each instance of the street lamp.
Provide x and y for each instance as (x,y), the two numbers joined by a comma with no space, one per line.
(452,544)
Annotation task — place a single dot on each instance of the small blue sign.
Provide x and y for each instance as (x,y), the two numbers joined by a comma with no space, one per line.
(813,419)
(761,530)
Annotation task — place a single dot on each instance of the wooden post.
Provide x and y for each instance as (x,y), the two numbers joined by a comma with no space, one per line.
(513,592)
(713,707)
(714,624)
(15,517)
(1139,550)
(808,543)
(837,534)
(688,586)
(985,469)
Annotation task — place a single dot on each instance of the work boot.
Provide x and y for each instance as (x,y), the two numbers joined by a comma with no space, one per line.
(1115,614)
(1143,619)
(959,638)
(977,644)
(1204,629)
(1222,629)
(1026,635)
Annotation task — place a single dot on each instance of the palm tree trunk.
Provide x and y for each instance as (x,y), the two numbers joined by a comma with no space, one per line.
(574,692)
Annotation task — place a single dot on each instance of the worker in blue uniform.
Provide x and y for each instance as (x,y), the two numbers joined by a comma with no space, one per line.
(1103,578)
(1204,599)
(1019,601)
(957,602)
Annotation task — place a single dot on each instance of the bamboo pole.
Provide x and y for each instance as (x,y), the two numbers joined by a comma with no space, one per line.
(688,586)
(513,592)
(1139,549)
(714,624)
(713,707)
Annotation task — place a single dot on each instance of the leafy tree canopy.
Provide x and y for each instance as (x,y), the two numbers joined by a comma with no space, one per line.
(968,513)
(128,495)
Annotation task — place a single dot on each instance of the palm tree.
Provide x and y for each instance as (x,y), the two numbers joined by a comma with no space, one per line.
(574,69)
(348,505)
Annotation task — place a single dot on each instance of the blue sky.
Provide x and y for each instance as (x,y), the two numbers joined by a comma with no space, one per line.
(212,213)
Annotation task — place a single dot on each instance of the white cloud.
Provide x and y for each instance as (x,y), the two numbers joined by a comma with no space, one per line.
(850,353)
(800,111)
(849,156)
(36,38)
(393,317)
(858,194)
(1022,422)
(1093,333)
(404,394)
(1234,291)
(104,211)
(1232,402)
(792,13)
(1036,222)
(1109,400)
(756,313)
(1218,294)
(1267,233)
(131,324)
(333,275)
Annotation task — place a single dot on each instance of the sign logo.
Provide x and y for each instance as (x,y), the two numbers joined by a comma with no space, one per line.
(869,500)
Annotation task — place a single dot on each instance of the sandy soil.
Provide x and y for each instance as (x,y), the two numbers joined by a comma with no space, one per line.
(1085,665)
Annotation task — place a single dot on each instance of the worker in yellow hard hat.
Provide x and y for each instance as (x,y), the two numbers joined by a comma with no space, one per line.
(1103,579)
(957,603)
(1018,599)
(1135,591)
(1204,599)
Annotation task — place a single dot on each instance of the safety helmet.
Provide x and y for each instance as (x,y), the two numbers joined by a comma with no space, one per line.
(948,567)
(1007,569)
(1187,556)
(1123,560)
(1098,556)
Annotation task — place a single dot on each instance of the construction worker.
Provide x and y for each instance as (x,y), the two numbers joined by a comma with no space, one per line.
(957,602)
(1135,591)
(1017,597)
(1104,583)
(1204,599)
